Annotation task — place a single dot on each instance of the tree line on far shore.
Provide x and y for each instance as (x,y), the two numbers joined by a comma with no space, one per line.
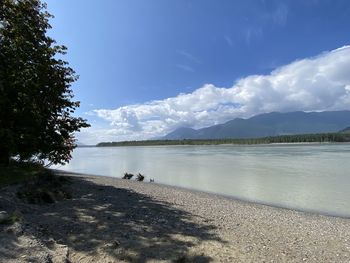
(299,138)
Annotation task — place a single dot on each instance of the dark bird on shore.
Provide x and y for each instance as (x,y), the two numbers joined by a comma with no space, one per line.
(127,176)
(140,177)
(151,180)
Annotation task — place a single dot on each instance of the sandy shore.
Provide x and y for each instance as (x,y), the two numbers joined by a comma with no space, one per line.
(114,220)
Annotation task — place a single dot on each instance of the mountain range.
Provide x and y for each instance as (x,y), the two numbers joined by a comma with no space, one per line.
(269,124)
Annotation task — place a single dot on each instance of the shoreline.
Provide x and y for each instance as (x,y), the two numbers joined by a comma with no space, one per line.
(114,220)
(214,194)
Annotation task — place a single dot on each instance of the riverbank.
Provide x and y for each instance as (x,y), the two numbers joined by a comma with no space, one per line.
(114,220)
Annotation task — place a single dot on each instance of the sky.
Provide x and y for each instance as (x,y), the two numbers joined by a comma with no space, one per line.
(149,67)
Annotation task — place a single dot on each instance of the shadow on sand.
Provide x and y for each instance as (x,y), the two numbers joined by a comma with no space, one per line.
(118,224)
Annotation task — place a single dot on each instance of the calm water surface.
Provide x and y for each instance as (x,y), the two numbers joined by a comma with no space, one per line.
(307,177)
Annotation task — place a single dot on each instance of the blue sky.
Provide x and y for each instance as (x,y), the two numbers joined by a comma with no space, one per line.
(148,67)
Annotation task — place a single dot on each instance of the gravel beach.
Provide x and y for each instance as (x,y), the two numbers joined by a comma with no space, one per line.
(115,220)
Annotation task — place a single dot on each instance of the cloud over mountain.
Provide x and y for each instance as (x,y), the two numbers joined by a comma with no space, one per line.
(312,84)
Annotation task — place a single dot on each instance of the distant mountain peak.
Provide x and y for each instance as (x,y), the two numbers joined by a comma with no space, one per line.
(181,133)
(346,130)
(269,124)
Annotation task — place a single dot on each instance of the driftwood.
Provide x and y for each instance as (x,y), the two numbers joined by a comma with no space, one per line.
(140,177)
(127,176)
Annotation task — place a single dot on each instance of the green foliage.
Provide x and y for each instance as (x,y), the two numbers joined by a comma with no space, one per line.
(47,188)
(36,100)
(11,219)
(15,173)
(299,138)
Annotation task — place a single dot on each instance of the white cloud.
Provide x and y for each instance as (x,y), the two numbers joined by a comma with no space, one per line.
(185,68)
(251,34)
(313,84)
(279,17)
(188,56)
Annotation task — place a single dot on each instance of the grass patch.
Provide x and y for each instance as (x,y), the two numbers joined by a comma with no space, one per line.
(10,220)
(19,172)
(38,185)
(46,188)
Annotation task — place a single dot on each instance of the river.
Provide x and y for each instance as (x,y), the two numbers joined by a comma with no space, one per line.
(308,177)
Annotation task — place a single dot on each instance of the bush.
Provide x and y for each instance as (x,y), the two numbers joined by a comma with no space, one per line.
(10,220)
(45,189)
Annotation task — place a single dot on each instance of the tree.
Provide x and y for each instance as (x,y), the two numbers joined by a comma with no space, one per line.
(36,104)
